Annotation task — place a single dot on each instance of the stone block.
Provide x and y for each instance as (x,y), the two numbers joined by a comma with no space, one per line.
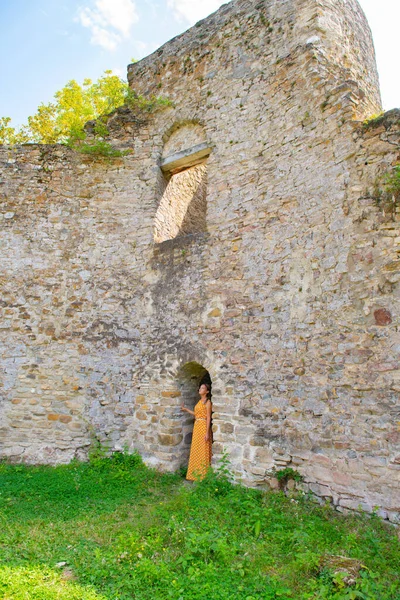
(322,491)
(167,423)
(382,315)
(257,441)
(123,409)
(356,504)
(273,483)
(75,426)
(53,417)
(218,448)
(215,312)
(141,415)
(166,439)
(170,401)
(65,419)
(394,517)
(226,428)
(342,479)
(283,458)
(258,471)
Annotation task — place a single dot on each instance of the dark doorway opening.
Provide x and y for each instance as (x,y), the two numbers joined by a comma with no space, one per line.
(190,377)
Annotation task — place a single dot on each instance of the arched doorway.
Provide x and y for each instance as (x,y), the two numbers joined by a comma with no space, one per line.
(189,379)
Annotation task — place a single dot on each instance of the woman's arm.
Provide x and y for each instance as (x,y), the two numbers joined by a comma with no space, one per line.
(208,428)
(187,410)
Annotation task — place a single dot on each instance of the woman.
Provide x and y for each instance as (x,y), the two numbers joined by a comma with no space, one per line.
(200,451)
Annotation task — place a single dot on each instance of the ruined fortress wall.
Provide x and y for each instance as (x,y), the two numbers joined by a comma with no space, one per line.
(60,240)
(287,292)
(252,42)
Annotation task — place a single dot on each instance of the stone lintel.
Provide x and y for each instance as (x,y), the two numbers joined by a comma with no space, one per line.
(185,158)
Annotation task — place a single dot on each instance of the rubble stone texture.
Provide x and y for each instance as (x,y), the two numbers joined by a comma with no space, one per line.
(287,294)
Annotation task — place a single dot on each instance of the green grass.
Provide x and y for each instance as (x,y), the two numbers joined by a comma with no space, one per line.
(114,529)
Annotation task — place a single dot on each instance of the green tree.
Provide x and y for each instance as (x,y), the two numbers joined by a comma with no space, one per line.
(72,107)
(9,135)
(63,120)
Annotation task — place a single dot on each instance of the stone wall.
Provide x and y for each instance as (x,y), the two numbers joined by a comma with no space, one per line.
(288,296)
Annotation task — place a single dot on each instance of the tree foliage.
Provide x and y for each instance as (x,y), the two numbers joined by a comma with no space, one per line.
(8,134)
(72,107)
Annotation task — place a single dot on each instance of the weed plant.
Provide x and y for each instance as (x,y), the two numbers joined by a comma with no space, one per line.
(374,121)
(114,529)
(285,475)
(387,191)
(392,183)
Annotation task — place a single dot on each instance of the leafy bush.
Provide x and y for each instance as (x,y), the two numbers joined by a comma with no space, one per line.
(284,475)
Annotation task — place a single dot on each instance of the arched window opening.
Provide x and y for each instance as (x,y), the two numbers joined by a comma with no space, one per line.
(190,377)
(183,205)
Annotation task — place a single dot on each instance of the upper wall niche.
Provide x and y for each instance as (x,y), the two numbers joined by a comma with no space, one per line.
(184,136)
(183,205)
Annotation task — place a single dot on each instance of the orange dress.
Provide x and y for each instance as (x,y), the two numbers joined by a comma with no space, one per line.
(200,450)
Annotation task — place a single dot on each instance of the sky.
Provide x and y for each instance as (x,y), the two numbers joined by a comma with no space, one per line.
(45,43)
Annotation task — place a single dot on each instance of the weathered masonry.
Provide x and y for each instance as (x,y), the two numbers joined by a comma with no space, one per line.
(241,238)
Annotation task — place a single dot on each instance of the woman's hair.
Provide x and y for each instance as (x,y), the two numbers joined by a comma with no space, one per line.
(208,386)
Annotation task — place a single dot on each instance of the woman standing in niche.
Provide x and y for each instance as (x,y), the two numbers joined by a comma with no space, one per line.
(200,450)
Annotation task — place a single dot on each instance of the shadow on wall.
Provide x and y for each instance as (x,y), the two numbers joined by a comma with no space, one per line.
(183,205)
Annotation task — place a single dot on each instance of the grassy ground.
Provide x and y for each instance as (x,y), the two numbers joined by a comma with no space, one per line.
(114,529)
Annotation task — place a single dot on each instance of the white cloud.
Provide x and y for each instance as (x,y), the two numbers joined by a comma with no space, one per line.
(193,10)
(105,38)
(109,21)
(120,14)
